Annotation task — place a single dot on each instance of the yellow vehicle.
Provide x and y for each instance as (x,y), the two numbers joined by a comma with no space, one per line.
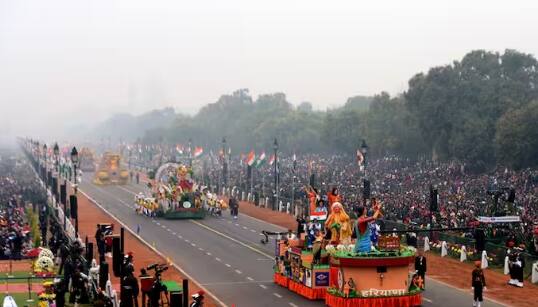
(110,171)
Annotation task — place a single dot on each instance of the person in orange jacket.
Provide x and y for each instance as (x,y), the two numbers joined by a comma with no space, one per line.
(334,196)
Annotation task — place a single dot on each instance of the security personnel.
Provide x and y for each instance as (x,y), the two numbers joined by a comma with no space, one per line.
(478,283)
(420,266)
(129,290)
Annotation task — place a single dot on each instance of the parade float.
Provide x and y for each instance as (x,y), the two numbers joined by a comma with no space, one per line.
(110,170)
(173,194)
(327,264)
(86,160)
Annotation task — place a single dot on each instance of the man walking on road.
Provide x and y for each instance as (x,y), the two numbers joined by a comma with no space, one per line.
(420,266)
(478,284)
(234,207)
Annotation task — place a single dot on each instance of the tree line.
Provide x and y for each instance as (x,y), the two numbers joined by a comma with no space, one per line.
(482,110)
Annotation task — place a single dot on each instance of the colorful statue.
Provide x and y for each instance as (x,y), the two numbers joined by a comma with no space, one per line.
(185,182)
(339,224)
(363,231)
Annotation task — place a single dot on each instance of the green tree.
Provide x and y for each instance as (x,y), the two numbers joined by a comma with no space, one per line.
(516,139)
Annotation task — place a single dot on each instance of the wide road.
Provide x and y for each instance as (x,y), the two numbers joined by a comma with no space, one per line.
(225,255)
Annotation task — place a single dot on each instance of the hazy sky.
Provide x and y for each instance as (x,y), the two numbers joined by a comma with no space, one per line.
(82,60)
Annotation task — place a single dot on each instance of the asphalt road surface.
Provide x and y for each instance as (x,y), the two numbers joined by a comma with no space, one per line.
(226,256)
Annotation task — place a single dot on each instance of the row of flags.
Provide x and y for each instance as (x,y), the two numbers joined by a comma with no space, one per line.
(250,159)
(262,159)
(198,150)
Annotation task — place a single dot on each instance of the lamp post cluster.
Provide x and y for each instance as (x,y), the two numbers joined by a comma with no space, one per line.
(52,170)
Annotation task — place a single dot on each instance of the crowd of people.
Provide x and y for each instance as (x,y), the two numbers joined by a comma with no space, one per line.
(18,188)
(402,185)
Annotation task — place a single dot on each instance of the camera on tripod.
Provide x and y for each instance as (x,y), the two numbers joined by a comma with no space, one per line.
(157,290)
(159,268)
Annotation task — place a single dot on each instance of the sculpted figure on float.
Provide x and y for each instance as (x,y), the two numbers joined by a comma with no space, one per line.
(338,224)
(185,182)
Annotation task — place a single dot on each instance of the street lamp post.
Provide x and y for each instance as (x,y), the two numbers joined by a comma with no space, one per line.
(74,160)
(129,161)
(56,151)
(45,163)
(224,164)
(364,151)
(294,168)
(37,155)
(275,147)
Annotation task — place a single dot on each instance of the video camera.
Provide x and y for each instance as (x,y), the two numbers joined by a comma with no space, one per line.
(159,268)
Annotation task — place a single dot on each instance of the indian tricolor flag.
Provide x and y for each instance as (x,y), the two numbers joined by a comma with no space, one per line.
(251,158)
(179,149)
(198,151)
(261,159)
(272,159)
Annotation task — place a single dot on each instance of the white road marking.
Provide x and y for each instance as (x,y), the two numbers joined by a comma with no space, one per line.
(427,300)
(238,272)
(163,226)
(187,240)
(263,286)
(253,230)
(168,229)
(181,237)
(208,253)
(236,224)
(232,239)
(227,265)
(292,304)
(277,295)
(174,233)
(250,278)
(159,224)
(194,245)
(245,227)
(218,259)
(201,249)
(234,283)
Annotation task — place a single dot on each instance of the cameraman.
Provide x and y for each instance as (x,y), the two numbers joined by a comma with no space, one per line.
(157,287)
(129,289)
(100,241)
